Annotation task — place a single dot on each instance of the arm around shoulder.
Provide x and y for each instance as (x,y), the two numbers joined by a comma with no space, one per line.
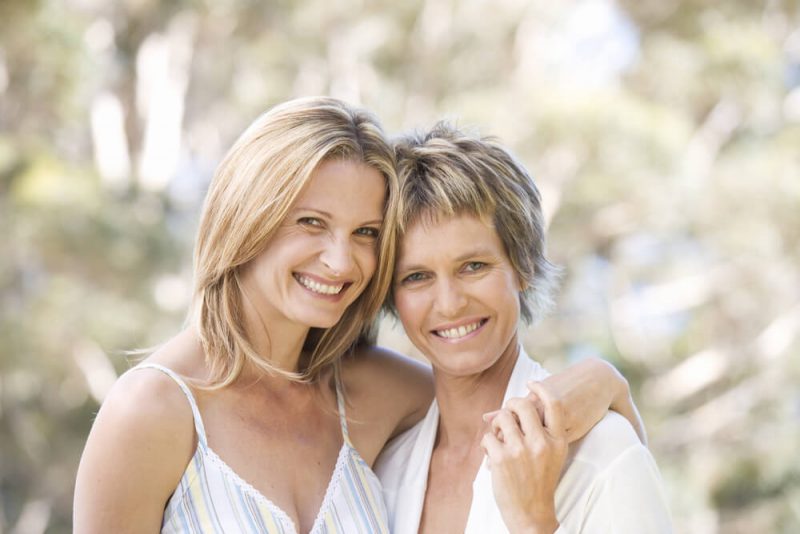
(398,387)
(137,450)
(587,390)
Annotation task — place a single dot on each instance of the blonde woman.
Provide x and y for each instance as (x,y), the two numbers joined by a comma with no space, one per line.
(239,423)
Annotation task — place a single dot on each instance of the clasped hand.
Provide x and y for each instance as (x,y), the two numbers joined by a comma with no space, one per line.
(526,446)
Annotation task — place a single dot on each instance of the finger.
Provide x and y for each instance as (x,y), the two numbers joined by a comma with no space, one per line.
(529,419)
(506,423)
(535,398)
(491,446)
(553,412)
(488,417)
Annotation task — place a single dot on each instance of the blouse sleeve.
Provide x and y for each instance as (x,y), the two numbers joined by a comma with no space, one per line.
(628,497)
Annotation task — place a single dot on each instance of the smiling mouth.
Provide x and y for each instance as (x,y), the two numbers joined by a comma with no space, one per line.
(460,331)
(319,288)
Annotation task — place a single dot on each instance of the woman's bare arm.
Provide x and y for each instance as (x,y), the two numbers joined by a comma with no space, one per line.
(387,393)
(136,452)
(587,390)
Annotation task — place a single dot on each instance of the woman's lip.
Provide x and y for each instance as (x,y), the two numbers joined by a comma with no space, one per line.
(322,280)
(331,297)
(468,335)
(463,322)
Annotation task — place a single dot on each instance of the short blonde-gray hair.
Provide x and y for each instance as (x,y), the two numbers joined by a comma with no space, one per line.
(253,189)
(446,172)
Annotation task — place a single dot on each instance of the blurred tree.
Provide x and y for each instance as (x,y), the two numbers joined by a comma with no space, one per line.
(663,134)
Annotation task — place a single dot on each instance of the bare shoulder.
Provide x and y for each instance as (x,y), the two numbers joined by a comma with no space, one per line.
(389,368)
(140,443)
(387,393)
(147,400)
(402,381)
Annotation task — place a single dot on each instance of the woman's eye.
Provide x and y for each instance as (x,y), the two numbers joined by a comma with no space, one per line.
(474,266)
(310,221)
(413,277)
(368,231)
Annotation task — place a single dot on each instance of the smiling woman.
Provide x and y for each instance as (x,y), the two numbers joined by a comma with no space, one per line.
(471,262)
(324,253)
(457,293)
(239,423)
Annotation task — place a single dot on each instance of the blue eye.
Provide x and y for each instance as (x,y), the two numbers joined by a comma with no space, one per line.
(368,231)
(474,266)
(413,277)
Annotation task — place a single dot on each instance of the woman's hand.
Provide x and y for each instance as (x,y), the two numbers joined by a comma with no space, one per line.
(587,390)
(526,453)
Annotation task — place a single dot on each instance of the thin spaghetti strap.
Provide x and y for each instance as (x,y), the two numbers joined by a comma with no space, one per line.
(337,377)
(198,421)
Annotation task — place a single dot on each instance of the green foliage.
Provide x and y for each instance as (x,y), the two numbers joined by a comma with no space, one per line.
(664,138)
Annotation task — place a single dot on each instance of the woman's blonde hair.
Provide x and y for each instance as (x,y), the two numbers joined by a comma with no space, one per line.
(447,172)
(252,191)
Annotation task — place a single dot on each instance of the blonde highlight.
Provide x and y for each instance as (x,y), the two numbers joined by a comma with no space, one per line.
(447,172)
(255,185)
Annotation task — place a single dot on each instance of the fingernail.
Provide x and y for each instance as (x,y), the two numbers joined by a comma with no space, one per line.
(488,415)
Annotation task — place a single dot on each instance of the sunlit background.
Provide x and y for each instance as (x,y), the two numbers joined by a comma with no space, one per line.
(664,134)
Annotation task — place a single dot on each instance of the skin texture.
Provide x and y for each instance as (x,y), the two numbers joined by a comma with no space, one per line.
(143,437)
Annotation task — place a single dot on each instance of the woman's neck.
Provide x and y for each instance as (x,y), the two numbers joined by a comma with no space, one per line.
(463,400)
(278,342)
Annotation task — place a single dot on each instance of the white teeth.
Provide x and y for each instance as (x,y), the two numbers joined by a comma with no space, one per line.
(316,287)
(461,331)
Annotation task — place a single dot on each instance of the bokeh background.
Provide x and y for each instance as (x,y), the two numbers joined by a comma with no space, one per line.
(664,134)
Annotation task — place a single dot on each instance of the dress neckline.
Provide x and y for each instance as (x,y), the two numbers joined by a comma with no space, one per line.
(333,484)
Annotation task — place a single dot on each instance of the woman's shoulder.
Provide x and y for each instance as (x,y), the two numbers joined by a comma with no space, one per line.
(379,368)
(390,384)
(138,448)
(147,398)
(146,406)
(609,440)
(151,394)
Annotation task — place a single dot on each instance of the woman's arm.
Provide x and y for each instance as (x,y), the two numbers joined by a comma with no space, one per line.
(136,452)
(387,393)
(587,390)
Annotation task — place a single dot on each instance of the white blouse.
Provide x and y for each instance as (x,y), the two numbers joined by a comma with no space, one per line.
(610,484)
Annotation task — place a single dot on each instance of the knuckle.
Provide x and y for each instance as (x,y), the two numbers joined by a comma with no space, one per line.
(539,447)
(515,451)
(505,417)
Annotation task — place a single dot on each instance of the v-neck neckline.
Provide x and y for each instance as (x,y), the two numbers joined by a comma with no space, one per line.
(480,498)
(277,511)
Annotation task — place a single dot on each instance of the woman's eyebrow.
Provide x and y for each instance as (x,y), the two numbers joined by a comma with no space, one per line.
(320,212)
(476,253)
(327,215)
(405,268)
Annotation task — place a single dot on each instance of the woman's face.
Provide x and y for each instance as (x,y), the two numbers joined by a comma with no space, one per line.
(325,251)
(457,294)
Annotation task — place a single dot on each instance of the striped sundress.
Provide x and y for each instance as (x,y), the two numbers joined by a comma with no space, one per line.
(212,498)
